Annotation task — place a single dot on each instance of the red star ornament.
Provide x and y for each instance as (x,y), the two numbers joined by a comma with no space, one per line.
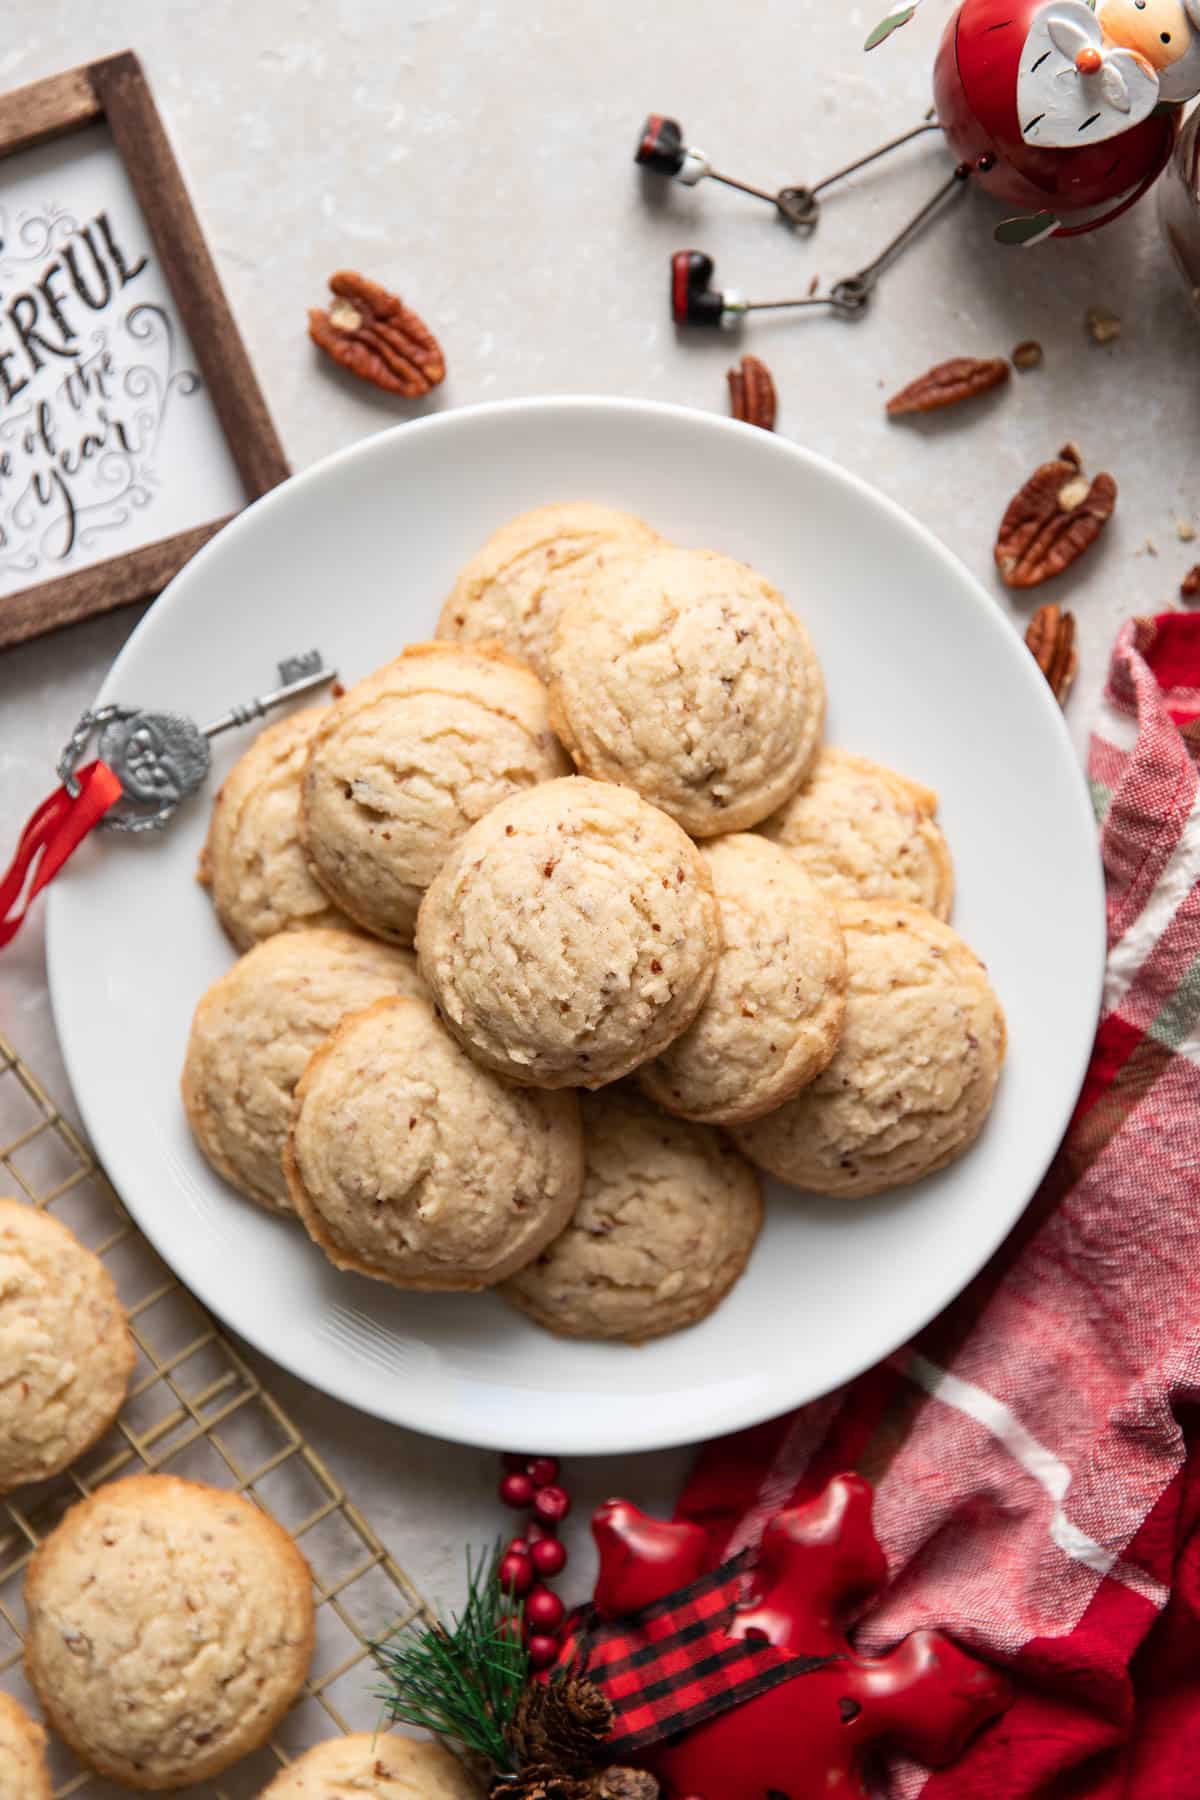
(816,1710)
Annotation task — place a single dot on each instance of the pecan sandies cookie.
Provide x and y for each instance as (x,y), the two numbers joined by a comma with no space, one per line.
(572,935)
(865,833)
(773,1014)
(685,675)
(406,762)
(668,1217)
(513,589)
(171,1626)
(915,1072)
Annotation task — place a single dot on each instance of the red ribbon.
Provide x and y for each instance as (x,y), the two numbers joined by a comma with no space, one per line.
(54,833)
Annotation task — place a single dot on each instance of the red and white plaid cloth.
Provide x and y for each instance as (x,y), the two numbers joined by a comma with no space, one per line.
(1036,1450)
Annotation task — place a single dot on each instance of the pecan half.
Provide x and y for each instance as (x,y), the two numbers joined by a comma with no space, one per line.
(959,379)
(1189,587)
(1052,520)
(374,335)
(1051,639)
(752,393)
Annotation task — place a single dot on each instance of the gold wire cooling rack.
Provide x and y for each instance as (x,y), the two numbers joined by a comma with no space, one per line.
(194,1409)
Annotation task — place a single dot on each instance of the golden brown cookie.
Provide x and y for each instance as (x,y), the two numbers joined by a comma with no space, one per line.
(170,1628)
(668,1217)
(66,1354)
(375,1766)
(406,762)
(865,833)
(23,1771)
(915,1073)
(686,676)
(513,589)
(774,1011)
(571,935)
(253,863)
(410,1163)
(253,1033)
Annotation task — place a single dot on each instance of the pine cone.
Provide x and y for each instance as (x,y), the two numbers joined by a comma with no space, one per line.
(560,1725)
(625,1784)
(539,1781)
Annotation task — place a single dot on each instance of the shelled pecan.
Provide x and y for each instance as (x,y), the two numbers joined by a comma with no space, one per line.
(1051,639)
(374,335)
(949,383)
(1052,520)
(1189,587)
(752,393)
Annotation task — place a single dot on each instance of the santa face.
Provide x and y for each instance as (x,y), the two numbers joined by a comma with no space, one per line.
(1159,30)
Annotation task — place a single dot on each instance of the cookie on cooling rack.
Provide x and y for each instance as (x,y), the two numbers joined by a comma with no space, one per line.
(23,1771)
(865,833)
(65,1348)
(774,1011)
(664,1227)
(171,1626)
(571,935)
(253,1033)
(406,762)
(915,1071)
(409,1162)
(375,1767)
(513,589)
(252,862)
(685,675)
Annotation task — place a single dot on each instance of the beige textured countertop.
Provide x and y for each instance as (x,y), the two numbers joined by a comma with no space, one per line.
(478,159)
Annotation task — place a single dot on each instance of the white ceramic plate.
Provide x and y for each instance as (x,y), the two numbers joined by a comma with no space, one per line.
(924,672)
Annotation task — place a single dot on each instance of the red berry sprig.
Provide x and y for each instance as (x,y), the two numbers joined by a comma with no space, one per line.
(531,1560)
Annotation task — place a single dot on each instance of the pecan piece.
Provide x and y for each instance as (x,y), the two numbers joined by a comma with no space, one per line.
(1189,587)
(374,335)
(752,393)
(1102,326)
(1051,639)
(1052,520)
(959,379)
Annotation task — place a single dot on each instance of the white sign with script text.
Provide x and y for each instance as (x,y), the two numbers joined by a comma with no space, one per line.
(108,437)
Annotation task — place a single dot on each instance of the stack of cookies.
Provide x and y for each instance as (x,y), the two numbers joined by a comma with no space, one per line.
(663,937)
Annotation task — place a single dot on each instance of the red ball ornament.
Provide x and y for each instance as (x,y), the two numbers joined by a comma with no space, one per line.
(542,1651)
(543,1610)
(518,1547)
(975,93)
(552,1504)
(800,1712)
(542,1470)
(516,1574)
(517,1490)
(548,1556)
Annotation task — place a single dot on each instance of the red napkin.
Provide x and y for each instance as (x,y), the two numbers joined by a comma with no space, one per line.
(1036,1451)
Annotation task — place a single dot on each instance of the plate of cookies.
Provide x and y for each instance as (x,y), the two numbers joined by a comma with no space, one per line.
(645,989)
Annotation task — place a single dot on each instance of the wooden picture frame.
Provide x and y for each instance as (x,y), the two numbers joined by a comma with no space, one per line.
(114,91)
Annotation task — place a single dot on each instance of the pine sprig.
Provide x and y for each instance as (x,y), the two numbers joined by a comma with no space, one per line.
(462,1681)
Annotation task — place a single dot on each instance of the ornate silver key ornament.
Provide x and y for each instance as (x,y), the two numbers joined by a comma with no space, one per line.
(146,763)
(160,758)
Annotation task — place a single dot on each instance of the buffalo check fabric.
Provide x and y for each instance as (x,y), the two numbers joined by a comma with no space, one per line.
(671,1666)
(1035,1449)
